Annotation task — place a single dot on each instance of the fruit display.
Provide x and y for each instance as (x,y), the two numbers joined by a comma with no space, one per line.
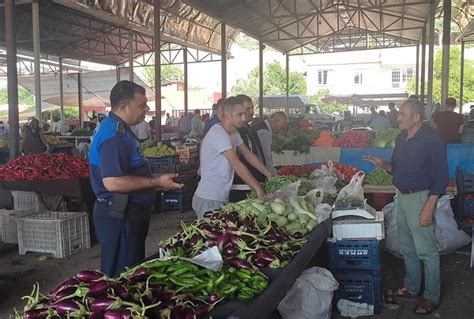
(4,141)
(325,139)
(293,140)
(296,170)
(385,138)
(160,150)
(352,139)
(52,140)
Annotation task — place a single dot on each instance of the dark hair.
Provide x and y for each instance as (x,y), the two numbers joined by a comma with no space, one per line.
(229,103)
(382,112)
(416,106)
(451,102)
(197,111)
(123,92)
(413,97)
(244,98)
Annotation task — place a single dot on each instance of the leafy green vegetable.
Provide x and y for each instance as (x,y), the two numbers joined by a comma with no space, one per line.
(386,138)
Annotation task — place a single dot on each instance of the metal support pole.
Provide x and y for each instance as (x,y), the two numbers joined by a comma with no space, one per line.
(36,51)
(12,80)
(223,60)
(423,65)
(157,42)
(287,84)
(117,72)
(61,93)
(417,74)
(130,56)
(446,46)
(185,62)
(260,78)
(461,79)
(79,96)
(431,36)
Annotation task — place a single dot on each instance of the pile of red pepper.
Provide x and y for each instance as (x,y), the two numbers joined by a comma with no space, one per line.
(44,166)
(346,171)
(296,170)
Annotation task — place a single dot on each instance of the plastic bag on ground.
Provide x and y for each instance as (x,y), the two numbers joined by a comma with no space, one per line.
(325,178)
(310,297)
(352,309)
(447,235)
(351,195)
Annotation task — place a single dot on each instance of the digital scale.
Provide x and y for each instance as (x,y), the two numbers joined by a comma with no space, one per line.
(358,223)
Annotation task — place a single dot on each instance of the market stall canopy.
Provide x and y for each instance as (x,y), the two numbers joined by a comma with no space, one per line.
(300,27)
(96,87)
(364,100)
(463,16)
(98,31)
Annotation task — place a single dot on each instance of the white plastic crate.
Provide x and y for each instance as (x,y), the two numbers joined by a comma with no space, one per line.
(8,225)
(359,228)
(26,202)
(58,233)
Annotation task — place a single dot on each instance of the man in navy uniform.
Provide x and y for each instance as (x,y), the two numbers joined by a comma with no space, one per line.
(122,181)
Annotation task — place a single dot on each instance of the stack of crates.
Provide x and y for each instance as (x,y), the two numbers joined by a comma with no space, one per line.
(24,203)
(356,266)
(465,203)
(180,200)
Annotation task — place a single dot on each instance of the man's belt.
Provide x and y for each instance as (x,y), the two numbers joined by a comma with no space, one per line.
(410,191)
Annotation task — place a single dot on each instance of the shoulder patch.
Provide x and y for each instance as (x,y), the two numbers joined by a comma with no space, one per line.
(120,128)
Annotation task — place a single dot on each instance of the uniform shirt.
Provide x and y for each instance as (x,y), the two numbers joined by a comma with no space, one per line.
(265,135)
(448,124)
(115,152)
(216,172)
(421,162)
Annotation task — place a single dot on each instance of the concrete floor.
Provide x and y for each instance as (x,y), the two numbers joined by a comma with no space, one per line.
(18,273)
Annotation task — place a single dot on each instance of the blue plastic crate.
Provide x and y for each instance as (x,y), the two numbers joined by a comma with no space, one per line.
(176,200)
(354,254)
(166,162)
(362,286)
(464,181)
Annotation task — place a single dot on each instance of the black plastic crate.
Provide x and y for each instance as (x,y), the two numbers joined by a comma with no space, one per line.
(361,286)
(163,164)
(176,200)
(354,254)
(464,181)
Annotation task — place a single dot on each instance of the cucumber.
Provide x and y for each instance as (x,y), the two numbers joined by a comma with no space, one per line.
(292,217)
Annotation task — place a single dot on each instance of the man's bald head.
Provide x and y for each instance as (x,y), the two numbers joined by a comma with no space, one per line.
(278,122)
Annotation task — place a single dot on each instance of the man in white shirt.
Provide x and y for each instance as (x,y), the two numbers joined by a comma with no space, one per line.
(265,129)
(219,160)
(142,131)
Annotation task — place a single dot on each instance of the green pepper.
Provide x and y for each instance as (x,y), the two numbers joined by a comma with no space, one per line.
(210,286)
(245,295)
(244,275)
(181,270)
(232,270)
(184,282)
(158,263)
(226,290)
(219,280)
(158,275)
(199,288)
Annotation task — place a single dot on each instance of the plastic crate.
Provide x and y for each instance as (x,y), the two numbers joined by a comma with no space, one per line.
(354,254)
(8,225)
(176,200)
(27,202)
(58,233)
(465,206)
(164,162)
(464,181)
(361,286)
(468,136)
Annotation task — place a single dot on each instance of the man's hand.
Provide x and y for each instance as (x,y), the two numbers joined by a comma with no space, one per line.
(374,160)
(260,193)
(166,181)
(426,214)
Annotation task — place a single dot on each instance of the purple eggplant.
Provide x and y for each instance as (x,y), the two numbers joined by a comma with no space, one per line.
(265,255)
(221,241)
(140,274)
(66,283)
(65,307)
(231,250)
(170,304)
(213,298)
(98,288)
(208,214)
(297,235)
(118,314)
(89,276)
(65,292)
(120,291)
(270,240)
(35,314)
(202,309)
(102,303)
(96,315)
(260,263)
(193,240)
(239,263)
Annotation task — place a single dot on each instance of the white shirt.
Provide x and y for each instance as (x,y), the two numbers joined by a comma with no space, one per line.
(266,140)
(141,130)
(216,172)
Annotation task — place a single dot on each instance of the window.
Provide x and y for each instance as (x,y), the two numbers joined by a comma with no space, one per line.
(322,77)
(407,75)
(358,78)
(395,78)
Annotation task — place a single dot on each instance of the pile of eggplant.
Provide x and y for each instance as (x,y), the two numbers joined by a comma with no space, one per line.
(241,239)
(165,289)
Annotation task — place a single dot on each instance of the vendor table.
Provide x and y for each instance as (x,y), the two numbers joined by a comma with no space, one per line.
(77,188)
(281,281)
(76,139)
(390,189)
(63,148)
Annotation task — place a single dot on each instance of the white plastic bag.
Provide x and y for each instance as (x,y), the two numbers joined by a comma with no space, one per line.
(325,178)
(290,190)
(310,297)
(351,195)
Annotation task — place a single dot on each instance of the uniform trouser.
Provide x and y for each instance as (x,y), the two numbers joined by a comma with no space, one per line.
(418,245)
(122,242)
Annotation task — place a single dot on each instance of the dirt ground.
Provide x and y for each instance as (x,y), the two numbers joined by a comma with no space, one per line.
(18,273)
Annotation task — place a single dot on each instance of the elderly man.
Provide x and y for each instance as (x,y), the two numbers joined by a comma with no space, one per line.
(420,173)
(219,160)
(265,129)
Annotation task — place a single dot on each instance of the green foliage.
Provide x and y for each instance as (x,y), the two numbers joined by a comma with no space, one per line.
(169,73)
(274,82)
(454,76)
(246,42)
(24,96)
(70,112)
(326,108)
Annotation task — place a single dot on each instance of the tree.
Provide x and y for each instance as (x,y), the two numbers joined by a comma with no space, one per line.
(326,108)
(70,112)
(274,82)
(169,73)
(24,96)
(454,76)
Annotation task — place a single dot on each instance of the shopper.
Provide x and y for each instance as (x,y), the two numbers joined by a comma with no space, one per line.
(392,115)
(449,124)
(265,130)
(219,160)
(184,124)
(142,131)
(216,117)
(380,122)
(239,189)
(122,181)
(420,173)
(33,140)
(196,124)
